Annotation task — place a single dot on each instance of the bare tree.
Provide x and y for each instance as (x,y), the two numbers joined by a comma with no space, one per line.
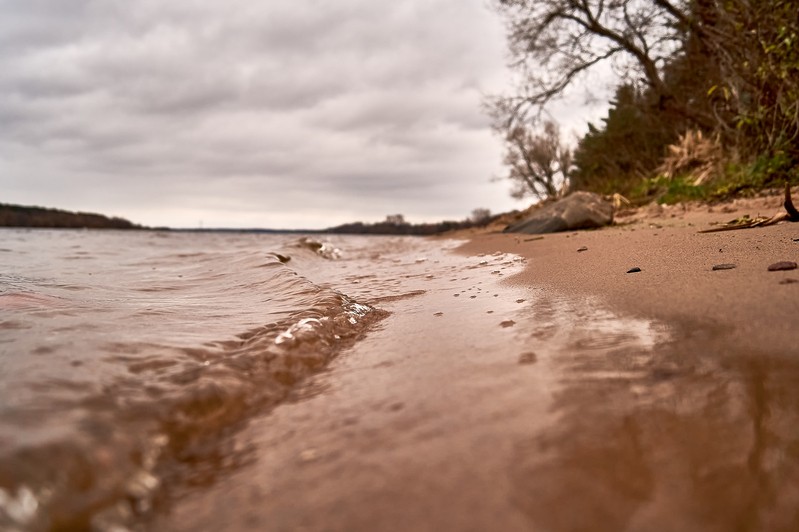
(554,42)
(538,163)
(395,219)
(480,216)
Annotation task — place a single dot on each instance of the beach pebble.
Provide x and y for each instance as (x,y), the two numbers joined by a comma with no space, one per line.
(438,314)
(309,455)
(789,281)
(507,323)
(584,248)
(528,358)
(520,300)
(634,270)
(723,267)
(782,266)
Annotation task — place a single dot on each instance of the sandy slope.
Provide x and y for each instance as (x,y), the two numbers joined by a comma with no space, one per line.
(757,308)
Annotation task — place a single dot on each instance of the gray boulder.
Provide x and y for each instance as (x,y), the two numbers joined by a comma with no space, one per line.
(579,210)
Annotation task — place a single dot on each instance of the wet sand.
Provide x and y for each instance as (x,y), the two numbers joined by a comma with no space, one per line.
(699,434)
(580,397)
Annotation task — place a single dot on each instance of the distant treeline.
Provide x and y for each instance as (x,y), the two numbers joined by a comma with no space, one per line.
(384,228)
(396,225)
(23,216)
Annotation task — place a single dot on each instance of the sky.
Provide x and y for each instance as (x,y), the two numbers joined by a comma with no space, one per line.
(245,113)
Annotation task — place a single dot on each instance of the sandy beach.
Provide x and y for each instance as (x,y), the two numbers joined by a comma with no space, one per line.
(556,392)
(752,306)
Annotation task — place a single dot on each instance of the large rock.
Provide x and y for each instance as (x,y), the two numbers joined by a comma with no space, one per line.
(580,210)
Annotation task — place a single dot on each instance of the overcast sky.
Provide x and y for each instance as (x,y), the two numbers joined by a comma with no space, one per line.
(246,113)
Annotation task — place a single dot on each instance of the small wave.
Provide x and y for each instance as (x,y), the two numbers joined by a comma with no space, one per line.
(153,430)
(159,427)
(323,249)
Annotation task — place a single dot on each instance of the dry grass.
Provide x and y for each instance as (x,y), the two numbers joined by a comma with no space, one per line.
(696,156)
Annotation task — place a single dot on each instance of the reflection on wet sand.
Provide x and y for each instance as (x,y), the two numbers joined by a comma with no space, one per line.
(689,435)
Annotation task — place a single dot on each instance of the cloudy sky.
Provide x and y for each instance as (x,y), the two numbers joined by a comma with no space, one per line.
(246,113)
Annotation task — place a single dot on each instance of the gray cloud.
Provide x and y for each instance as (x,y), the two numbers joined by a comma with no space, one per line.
(281,113)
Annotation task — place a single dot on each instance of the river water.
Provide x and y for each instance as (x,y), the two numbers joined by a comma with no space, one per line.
(235,381)
(125,355)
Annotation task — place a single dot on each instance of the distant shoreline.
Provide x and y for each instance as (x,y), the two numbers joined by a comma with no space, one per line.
(25,216)
(34,217)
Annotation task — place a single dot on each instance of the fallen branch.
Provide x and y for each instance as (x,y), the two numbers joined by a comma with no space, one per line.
(792,215)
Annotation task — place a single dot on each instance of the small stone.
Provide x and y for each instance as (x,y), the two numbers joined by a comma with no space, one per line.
(723,267)
(507,323)
(438,314)
(584,248)
(789,281)
(309,455)
(782,266)
(634,270)
(664,373)
(520,300)
(528,358)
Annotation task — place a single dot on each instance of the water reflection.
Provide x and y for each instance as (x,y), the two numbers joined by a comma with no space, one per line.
(660,430)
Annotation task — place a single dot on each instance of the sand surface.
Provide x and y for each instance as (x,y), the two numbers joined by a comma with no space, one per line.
(749,304)
(565,395)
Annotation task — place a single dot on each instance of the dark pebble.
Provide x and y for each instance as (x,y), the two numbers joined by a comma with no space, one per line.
(789,281)
(723,267)
(663,374)
(782,266)
(584,248)
(634,270)
(528,358)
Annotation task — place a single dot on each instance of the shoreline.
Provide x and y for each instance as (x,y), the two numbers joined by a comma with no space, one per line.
(753,306)
(566,395)
(698,431)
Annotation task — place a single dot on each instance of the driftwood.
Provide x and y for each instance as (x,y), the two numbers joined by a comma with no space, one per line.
(745,222)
